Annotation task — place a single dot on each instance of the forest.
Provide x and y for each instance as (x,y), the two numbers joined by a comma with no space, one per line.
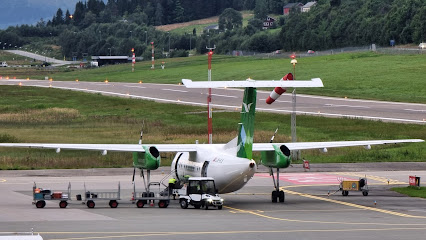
(114,27)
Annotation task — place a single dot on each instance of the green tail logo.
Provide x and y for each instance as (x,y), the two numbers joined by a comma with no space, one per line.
(246,126)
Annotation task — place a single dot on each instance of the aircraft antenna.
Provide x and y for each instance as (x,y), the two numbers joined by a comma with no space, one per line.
(273,136)
(140,139)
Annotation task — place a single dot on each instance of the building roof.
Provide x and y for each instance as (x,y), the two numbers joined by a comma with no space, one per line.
(109,57)
(290,5)
(309,4)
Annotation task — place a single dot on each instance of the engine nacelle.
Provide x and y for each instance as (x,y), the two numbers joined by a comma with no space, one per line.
(279,158)
(150,159)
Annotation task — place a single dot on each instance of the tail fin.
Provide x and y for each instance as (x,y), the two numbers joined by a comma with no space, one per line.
(246,126)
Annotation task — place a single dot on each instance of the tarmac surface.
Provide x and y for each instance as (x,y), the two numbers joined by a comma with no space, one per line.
(314,207)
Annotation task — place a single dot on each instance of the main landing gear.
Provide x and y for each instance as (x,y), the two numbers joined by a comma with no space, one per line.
(277,194)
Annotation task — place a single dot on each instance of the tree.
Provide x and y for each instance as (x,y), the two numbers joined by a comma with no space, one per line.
(179,12)
(230,19)
(260,9)
(159,15)
(59,18)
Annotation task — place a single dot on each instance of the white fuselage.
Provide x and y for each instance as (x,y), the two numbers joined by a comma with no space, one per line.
(230,173)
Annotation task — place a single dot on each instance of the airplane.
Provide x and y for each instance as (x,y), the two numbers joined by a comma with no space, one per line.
(230,164)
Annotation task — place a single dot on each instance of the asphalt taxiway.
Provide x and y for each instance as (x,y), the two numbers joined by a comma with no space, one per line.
(312,209)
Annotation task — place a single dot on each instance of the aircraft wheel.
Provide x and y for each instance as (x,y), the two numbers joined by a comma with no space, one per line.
(40,204)
(90,204)
(63,204)
(183,204)
(281,196)
(365,193)
(113,203)
(345,193)
(197,206)
(139,204)
(274,196)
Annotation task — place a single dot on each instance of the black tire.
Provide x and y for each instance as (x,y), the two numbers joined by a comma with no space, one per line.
(365,193)
(151,194)
(63,204)
(274,196)
(219,207)
(197,206)
(40,204)
(206,205)
(162,204)
(113,204)
(90,204)
(183,204)
(140,204)
(281,196)
(345,193)
(144,194)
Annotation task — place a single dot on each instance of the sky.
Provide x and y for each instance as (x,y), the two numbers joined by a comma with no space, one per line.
(18,12)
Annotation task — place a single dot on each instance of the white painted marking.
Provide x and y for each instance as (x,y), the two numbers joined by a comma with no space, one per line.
(350,106)
(415,110)
(133,86)
(218,95)
(174,90)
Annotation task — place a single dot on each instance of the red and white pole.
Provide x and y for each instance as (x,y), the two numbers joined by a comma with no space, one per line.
(133,60)
(209,99)
(152,59)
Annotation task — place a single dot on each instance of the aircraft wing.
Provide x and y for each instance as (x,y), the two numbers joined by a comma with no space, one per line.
(325,145)
(315,82)
(105,147)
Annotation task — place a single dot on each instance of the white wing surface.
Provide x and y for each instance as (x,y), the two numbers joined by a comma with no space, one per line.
(106,147)
(322,145)
(315,82)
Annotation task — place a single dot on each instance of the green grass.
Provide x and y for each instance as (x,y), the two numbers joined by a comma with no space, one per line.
(50,115)
(411,191)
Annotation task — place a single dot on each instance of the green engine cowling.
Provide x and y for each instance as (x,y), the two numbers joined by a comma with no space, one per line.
(150,159)
(279,158)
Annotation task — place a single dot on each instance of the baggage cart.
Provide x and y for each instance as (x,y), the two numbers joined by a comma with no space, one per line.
(91,196)
(153,194)
(40,196)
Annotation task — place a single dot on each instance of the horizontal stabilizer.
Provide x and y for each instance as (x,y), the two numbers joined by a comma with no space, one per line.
(315,82)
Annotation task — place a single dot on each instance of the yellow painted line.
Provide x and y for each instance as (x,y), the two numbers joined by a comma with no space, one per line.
(2,180)
(354,205)
(141,234)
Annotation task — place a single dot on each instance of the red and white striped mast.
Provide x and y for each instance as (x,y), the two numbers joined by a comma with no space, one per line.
(209,98)
(152,59)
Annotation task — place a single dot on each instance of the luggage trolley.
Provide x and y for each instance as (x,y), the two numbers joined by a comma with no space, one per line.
(153,193)
(40,196)
(91,196)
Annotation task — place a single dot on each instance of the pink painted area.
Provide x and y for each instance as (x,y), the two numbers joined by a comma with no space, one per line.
(307,178)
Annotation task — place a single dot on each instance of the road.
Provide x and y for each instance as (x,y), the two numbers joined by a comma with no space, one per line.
(309,212)
(55,62)
(230,99)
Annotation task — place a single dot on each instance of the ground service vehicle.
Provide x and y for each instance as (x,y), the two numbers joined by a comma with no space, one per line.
(200,192)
